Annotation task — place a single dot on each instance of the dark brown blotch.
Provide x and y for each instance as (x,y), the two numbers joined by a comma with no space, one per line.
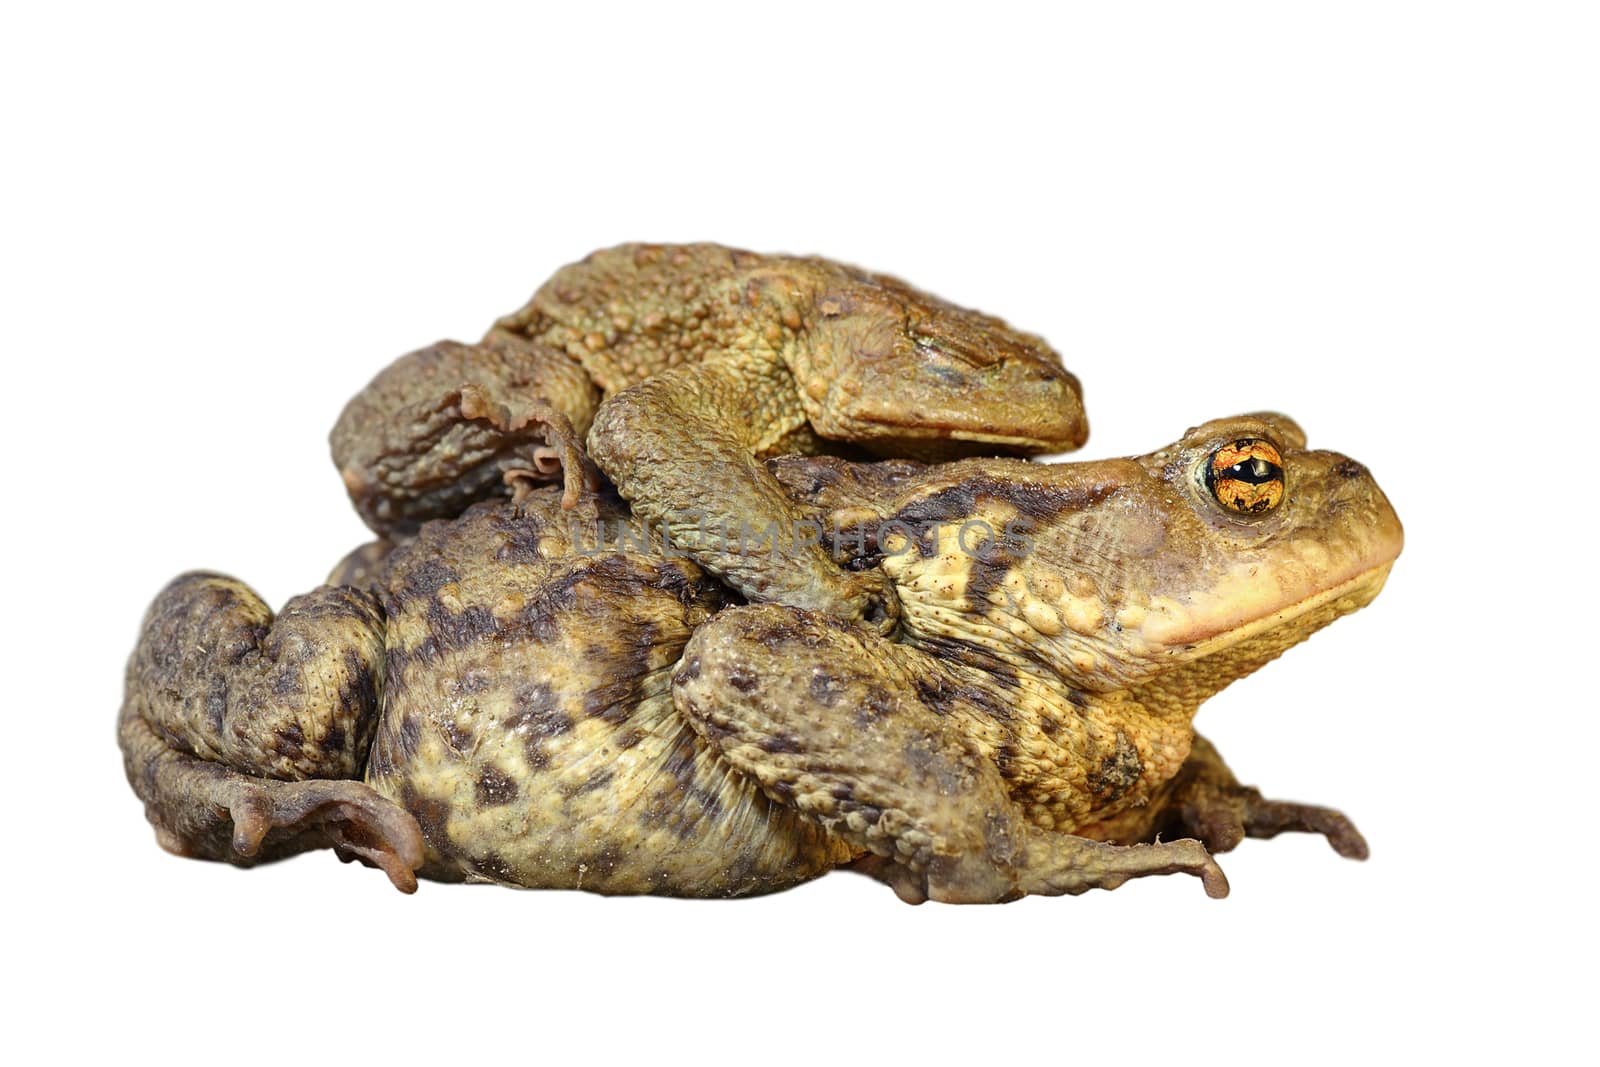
(520,540)
(289,740)
(410,734)
(458,736)
(469,628)
(1118,772)
(536,713)
(217,705)
(492,866)
(359,691)
(825,688)
(536,709)
(877,704)
(495,788)
(425,580)
(1036,501)
(626,664)
(334,739)
(742,678)
(433,816)
(996,671)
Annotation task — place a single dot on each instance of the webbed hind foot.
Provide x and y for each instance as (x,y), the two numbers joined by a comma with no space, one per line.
(348,817)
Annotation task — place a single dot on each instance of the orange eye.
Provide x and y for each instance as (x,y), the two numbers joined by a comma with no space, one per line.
(1246,476)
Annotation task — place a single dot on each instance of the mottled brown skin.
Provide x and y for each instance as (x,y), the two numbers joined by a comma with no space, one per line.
(233,721)
(528,718)
(516,707)
(686,365)
(609,721)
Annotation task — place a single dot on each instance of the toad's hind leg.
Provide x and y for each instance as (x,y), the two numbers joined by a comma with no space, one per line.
(828,719)
(451,424)
(239,731)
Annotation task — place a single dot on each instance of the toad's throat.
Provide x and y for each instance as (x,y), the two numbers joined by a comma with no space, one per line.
(1200,671)
(1352,594)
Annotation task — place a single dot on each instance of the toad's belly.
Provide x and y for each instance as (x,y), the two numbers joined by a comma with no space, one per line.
(539,785)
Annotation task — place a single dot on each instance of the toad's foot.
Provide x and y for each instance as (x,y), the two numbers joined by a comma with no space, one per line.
(202,810)
(1223,818)
(1055,865)
(1208,802)
(1059,863)
(349,817)
(550,449)
(242,731)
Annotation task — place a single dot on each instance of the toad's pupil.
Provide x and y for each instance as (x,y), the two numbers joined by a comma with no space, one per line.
(1255,471)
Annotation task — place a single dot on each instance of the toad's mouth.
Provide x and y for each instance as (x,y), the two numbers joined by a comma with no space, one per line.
(1044,415)
(1187,640)
(946,439)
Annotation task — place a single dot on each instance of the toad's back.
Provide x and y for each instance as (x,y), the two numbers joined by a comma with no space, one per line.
(631,311)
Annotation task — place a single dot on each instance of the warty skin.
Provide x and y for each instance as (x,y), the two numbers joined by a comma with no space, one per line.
(547,717)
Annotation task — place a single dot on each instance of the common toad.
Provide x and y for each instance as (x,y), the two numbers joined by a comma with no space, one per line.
(541,710)
(686,365)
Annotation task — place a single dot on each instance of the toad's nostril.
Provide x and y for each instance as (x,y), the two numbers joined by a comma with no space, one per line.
(1349,469)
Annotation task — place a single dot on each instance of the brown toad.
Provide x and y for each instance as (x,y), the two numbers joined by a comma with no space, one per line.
(685,365)
(558,711)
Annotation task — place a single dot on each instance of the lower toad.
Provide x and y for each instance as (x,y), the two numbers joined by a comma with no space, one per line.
(506,698)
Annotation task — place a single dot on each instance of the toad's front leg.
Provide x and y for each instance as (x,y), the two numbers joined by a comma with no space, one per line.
(828,719)
(684,448)
(233,723)
(1206,801)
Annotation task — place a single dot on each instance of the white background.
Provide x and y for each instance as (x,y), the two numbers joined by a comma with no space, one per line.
(1381,218)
